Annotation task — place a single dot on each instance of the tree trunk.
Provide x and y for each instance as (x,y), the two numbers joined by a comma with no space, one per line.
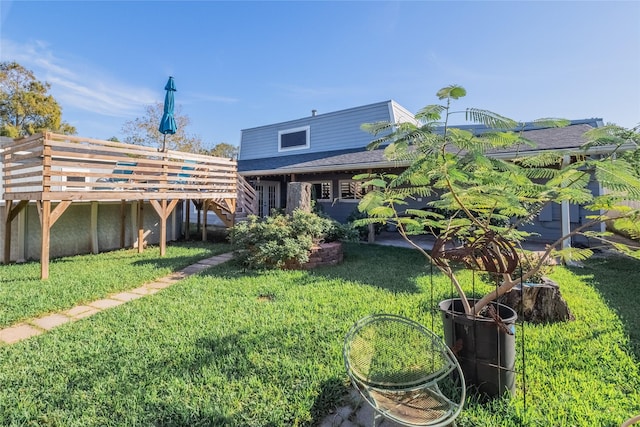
(298,197)
(543,302)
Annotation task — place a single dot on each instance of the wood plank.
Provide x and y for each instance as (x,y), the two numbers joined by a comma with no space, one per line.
(57,212)
(140,226)
(93,228)
(7,231)
(13,212)
(45,218)
(163,229)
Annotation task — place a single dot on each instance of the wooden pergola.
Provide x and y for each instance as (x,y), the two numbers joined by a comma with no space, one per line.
(55,171)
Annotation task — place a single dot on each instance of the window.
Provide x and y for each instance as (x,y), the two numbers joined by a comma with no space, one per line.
(293,139)
(351,190)
(322,191)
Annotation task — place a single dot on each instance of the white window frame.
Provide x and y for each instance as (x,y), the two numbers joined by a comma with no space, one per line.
(327,181)
(306,129)
(355,199)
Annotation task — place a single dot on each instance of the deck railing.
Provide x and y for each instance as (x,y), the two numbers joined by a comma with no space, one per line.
(61,167)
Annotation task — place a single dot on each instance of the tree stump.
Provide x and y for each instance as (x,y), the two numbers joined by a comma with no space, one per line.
(298,197)
(543,302)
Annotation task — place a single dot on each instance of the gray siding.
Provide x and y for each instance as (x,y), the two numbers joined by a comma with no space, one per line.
(337,130)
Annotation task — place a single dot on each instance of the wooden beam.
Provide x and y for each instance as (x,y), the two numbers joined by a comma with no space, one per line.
(123,217)
(58,211)
(205,211)
(45,219)
(10,213)
(140,215)
(93,232)
(187,229)
(163,229)
(163,209)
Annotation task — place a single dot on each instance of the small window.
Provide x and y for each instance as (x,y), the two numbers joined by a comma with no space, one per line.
(293,139)
(322,191)
(351,190)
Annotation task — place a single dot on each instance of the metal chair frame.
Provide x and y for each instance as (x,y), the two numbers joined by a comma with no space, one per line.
(403,400)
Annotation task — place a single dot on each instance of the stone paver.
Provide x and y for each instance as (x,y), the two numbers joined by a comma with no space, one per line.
(103,304)
(126,296)
(37,326)
(143,290)
(159,284)
(196,268)
(51,321)
(81,311)
(18,332)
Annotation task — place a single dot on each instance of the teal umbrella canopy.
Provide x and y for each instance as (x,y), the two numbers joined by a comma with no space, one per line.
(168,122)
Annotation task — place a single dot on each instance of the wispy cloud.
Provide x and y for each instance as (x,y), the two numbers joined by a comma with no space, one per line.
(93,91)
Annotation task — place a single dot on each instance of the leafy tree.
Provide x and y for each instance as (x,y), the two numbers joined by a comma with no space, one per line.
(224,150)
(486,197)
(25,105)
(144,131)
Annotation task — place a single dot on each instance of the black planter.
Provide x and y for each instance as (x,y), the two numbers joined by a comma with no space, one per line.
(485,352)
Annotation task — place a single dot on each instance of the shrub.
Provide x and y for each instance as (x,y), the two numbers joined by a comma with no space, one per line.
(363,230)
(277,240)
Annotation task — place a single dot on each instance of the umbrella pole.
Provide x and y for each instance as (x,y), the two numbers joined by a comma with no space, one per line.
(164,143)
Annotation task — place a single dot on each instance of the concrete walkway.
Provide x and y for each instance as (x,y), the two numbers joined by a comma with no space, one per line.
(39,325)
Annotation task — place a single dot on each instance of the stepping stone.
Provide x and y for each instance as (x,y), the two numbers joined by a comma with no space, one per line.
(159,284)
(196,268)
(81,311)
(51,321)
(126,296)
(18,332)
(142,290)
(170,279)
(103,304)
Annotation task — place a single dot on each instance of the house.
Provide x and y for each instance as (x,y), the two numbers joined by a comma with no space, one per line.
(328,150)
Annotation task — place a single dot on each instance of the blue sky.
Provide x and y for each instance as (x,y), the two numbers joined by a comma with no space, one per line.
(244,64)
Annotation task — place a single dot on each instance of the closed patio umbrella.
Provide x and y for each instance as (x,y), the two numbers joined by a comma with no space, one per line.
(168,122)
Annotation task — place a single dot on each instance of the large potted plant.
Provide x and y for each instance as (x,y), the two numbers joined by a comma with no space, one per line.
(479,198)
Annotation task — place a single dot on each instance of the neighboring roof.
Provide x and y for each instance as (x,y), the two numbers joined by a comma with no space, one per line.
(565,138)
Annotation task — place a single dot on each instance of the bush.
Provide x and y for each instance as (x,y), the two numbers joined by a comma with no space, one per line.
(277,240)
(363,230)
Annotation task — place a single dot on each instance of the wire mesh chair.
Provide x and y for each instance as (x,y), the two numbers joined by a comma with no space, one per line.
(404,371)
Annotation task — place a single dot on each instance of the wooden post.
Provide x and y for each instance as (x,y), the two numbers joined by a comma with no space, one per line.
(140,227)
(163,229)
(94,228)
(123,217)
(205,211)
(187,229)
(8,204)
(45,226)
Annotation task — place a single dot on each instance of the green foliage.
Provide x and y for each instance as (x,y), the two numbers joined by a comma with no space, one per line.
(480,194)
(279,240)
(354,221)
(144,131)
(25,105)
(224,150)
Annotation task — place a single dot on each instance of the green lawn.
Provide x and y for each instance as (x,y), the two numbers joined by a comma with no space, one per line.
(237,348)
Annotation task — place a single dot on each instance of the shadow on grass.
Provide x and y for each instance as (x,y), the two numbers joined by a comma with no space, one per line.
(617,279)
(331,391)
